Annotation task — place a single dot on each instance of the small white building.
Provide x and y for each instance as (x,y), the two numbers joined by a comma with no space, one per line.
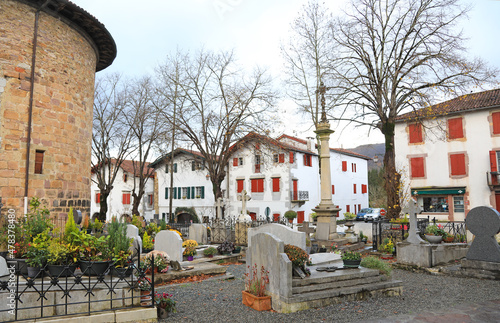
(192,187)
(450,153)
(120,199)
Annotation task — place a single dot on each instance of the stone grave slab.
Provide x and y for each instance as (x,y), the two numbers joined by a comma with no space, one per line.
(4,270)
(285,234)
(133,232)
(198,233)
(170,242)
(484,223)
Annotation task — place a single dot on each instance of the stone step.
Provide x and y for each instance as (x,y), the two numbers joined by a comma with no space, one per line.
(336,284)
(322,277)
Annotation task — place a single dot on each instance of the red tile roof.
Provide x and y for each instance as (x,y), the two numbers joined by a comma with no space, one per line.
(468,102)
(349,153)
(255,136)
(128,166)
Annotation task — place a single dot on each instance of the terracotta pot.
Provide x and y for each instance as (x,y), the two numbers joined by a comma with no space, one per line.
(145,298)
(161,313)
(449,239)
(256,302)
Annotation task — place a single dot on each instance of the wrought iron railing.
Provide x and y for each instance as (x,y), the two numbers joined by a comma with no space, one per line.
(73,291)
(300,195)
(182,228)
(231,229)
(382,229)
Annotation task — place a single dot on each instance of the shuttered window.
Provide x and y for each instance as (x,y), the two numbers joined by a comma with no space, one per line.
(333,189)
(98,198)
(39,161)
(348,208)
(239,185)
(257,185)
(457,164)
(276,184)
(300,216)
(126,198)
(344,166)
(307,160)
(281,158)
(354,188)
(417,167)
(495,118)
(364,188)
(291,157)
(455,128)
(415,133)
(235,162)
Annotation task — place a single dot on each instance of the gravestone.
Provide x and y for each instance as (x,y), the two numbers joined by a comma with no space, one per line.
(484,223)
(170,242)
(306,229)
(198,233)
(284,233)
(413,236)
(133,232)
(4,271)
(244,217)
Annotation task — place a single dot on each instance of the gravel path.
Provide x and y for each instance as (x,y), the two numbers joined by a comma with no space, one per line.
(220,301)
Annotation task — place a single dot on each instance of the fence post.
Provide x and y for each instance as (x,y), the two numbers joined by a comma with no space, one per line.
(153,281)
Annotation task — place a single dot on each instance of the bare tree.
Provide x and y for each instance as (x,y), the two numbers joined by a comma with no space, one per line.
(147,126)
(221,105)
(396,55)
(109,136)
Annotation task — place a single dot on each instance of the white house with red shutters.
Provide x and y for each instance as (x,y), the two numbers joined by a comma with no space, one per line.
(450,153)
(120,199)
(283,174)
(191,188)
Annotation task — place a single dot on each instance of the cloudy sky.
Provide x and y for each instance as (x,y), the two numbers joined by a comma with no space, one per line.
(146,31)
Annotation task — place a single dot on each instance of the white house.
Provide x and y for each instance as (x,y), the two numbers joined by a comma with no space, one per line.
(120,199)
(450,153)
(192,187)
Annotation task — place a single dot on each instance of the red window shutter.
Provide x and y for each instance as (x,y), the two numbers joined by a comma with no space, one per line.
(258,185)
(300,216)
(495,117)
(276,184)
(239,183)
(359,207)
(457,162)
(344,166)
(291,157)
(281,158)
(493,161)
(333,189)
(348,208)
(98,198)
(417,167)
(150,199)
(257,146)
(455,128)
(126,198)
(235,162)
(415,132)
(305,160)
(364,188)
(261,185)
(354,188)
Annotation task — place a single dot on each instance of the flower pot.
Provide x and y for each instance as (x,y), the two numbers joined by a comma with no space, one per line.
(35,272)
(351,263)
(146,298)
(94,268)
(144,250)
(210,256)
(237,250)
(433,239)
(161,313)
(322,249)
(61,270)
(449,239)
(257,303)
(190,258)
(20,265)
(122,272)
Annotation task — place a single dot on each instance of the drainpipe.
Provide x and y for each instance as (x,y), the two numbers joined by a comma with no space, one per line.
(30,106)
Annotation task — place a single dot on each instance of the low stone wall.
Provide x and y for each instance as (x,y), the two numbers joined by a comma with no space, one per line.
(430,255)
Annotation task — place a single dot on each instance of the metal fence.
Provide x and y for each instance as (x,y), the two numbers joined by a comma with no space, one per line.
(72,291)
(182,228)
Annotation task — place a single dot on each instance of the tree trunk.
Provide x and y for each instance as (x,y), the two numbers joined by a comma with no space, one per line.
(135,204)
(103,210)
(391,176)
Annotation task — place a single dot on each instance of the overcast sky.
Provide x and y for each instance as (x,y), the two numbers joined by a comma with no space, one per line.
(146,31)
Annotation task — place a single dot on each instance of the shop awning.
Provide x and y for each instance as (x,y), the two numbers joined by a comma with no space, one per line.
(438,191)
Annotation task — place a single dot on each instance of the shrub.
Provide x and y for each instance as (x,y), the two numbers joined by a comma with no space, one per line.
(297,256)
(256,284)
(351,255)
(147,241)
(290,214)
(70,227)
(376,263)
(210,251)
(189,243)
(189,251)
(225,247)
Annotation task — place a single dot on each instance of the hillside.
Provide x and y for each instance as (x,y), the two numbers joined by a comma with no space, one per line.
(372,151)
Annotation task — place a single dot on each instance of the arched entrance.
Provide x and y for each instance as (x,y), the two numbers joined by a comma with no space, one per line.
(184,218)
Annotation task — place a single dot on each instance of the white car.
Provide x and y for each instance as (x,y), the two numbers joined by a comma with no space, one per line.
(373,214)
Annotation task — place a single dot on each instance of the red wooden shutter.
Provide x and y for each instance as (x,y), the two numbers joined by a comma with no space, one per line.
(261,185)
(276,184)
(235,162)
(98,198)
(415,132)
(417,167)
(457,162)
(493,161)
(300,216)
(455,128)
(281,158)
(126,198)
(354,188)
(495,118)
(348,208)
(258,185)
(291,157)
(359,207)
(344,166)
(333,189)
(239,186)
(305,160)
(364,188)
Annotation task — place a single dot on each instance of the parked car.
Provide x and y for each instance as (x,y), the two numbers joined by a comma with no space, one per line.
(374,215)
(361,214)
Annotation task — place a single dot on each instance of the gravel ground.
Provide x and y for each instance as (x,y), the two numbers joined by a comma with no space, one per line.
(220,301)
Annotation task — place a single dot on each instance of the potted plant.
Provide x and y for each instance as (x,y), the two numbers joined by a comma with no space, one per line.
(160,263)
(61,258)
(95,253)
(147,243)
(254,295)
(290,215)
(209,252)
(119,246)
(36,254)
(297,256)
(434,234)
(189,243)
(362,237)
(351,259)
(237,249)
(164,305)
(189,253)
(349,216)
(225,248)
(144,284)
(387,248)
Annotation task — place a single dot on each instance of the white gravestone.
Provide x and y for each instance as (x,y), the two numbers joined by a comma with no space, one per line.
(170,242)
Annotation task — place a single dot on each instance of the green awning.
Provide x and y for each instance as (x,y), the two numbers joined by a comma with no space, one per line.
(438,191)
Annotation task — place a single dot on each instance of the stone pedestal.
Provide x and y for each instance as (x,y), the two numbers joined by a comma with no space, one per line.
(326,226)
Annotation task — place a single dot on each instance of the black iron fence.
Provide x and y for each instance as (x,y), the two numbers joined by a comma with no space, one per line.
(32,293)
(183,228)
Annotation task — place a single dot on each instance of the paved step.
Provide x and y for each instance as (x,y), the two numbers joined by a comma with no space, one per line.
(337,276)
(336,285)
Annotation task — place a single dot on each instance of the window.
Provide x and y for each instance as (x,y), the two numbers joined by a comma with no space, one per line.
(126,198)
(495,119)
(281,158)
(175,167)
(125,177)
(364,188)
(257,185)
(240,160)
(348,208)
(354,188)
(458,204)
(333,189)
(276,184)
(200,192)
(193,165)
(235,162)
(300,216)
(307,160)
(150,199)
(185,192)
(415,133)
(276,158)
(167,167)
(455,128)
(239,185)
(359,207)
(166,192)
(39,161)
(291,157)
(417,169)
(353,166)
(257,163)
(344,166)
(98,198)
(436,204)
(457,164)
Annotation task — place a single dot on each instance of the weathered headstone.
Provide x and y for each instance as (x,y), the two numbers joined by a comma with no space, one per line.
(4,271)
(285,234)
(413,236)
(484,223)
(133,232)
(170,242)
(306,229)
(219,205)
(198,233)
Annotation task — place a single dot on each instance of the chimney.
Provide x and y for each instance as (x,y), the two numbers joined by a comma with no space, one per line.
(310,143)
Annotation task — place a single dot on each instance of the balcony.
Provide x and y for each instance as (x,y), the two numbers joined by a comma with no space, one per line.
(493,179)
(299,196)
